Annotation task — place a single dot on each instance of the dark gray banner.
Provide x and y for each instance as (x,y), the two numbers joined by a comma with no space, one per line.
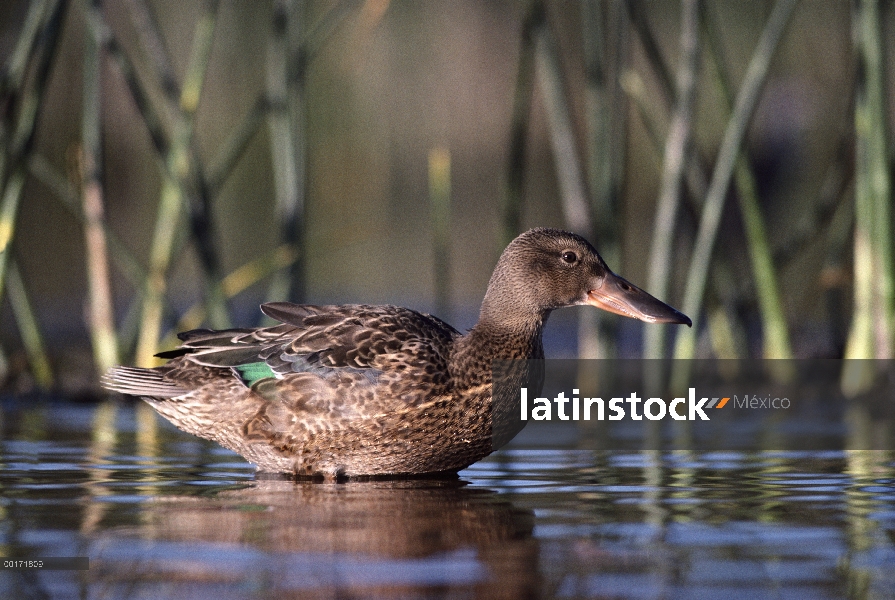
(816,404)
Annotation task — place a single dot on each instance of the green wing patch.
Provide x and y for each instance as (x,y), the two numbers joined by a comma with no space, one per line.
(250,373)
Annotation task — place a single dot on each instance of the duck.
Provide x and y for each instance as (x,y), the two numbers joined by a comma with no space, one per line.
(354,391)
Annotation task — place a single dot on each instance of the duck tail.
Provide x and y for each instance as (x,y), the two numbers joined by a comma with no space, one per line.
(135,381)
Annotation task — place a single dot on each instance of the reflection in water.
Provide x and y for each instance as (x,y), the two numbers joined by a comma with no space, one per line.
(376,538)
(713,525)
(161,514)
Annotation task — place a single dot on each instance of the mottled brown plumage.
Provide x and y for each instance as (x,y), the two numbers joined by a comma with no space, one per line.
(378,390)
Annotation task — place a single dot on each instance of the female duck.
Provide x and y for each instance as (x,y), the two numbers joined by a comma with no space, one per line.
(358,390)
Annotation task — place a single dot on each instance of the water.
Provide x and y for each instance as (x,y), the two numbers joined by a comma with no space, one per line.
(161,514)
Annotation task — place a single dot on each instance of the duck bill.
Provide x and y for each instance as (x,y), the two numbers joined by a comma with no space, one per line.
(618,296)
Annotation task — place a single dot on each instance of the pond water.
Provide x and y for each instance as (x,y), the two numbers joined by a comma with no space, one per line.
(161,514)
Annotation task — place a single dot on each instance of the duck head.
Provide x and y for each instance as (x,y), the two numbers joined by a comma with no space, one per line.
(544,269)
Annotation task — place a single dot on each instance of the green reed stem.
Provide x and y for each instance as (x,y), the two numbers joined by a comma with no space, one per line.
(235,146)
(16,67)
(196,189)
(566,157)
(19,135)
(676,144)
(440,210)
(102,321)
(234,283)
(511,211)
(153,46)
(40,168)
(286,95)
(29,329)
(8,209)
(747,98)
(603,48)
(776,332)
(603,44)
(871,334)
(173,190)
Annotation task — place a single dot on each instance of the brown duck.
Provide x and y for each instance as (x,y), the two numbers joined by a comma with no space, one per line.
(356,390)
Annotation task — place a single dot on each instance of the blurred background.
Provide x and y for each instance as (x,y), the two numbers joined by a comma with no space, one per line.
(170,165)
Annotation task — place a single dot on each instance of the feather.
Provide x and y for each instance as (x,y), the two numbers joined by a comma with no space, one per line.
(141,382)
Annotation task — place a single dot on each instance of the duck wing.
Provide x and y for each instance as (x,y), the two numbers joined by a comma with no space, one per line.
(353,360)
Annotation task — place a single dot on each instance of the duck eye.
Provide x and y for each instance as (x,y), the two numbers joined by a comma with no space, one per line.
(570,257)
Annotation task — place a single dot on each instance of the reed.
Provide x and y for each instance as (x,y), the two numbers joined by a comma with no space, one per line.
(567,159)
(153,47)
(234,283)
(288,144)
(29,329)
(22,96)
(89,171)
(695,176)
(603,41)
(511,210)
(188,174)
(871,330)
(177,163)
(440,211)
(589,154)
(19,126)
(775,332)
(676,144)
(871,334)
(734,134)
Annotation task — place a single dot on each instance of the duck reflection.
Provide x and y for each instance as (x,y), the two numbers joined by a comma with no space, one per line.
(379,538)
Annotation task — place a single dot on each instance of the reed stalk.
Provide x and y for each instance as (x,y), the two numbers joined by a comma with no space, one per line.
(172,198)
(41,169)
(776,341)
(29,329)
(26,45)
(440,211)
(233,284)
(201,218)
(290,50)
(195,189)
(18,135)
(747,98)
(695,171)
(153,46)
(235,146)
(676,144)
(603,45)
(871,334)
(511,211)
(871,330)
(9,207)
(286,96)
(101,320)
(566,156)
(63,189)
